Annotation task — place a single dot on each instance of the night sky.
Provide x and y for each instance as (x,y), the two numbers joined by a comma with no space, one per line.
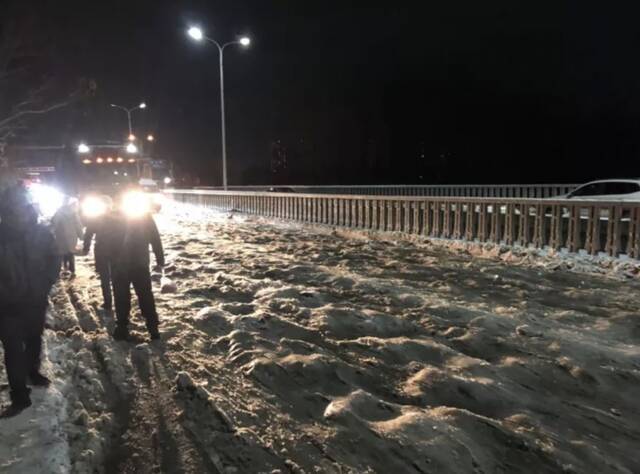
(354,92)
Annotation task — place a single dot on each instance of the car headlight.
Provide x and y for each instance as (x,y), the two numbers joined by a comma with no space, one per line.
(135,204)
(93,206)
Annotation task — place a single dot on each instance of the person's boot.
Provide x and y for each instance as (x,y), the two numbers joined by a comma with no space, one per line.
(39,380)
(19,402)
(121,333)
(154,334)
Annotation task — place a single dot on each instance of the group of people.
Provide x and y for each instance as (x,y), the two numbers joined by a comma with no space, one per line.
(31,256)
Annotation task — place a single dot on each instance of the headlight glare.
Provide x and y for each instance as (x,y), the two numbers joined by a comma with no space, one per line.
(135,204)
(93,206)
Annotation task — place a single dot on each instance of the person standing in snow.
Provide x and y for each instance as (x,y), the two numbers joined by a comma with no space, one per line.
(67,229)
(130,262)
(100,227)
(29,266)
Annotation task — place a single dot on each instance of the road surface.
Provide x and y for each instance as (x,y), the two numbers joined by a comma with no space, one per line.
(295,349)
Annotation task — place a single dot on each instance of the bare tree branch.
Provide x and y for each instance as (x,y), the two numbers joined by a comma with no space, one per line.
(24,113)
(32,99)
(31,82)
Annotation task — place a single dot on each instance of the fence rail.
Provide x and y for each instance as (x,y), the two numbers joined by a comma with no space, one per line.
(591,226)
(466,190)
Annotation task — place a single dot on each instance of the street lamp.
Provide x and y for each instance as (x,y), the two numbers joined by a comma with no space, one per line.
(142,105)
(196,34)
(83,148)
(150,138)
(131,148)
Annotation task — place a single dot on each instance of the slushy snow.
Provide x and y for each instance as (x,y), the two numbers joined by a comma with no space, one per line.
(290,348)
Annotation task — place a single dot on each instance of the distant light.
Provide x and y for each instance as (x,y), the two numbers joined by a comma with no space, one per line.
(83,148)
(131,148)
(126,174)
(132,160)
(131,137)
(245,41)
(195,33)
(116,173)
(150,138)
(167,180)
(143,105)
(119,159)
(109,159)
(99,160)
(86,161)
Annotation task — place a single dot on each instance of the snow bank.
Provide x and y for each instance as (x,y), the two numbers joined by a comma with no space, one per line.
(35,441)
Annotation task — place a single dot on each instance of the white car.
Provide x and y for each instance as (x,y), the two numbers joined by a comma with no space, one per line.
(621,190)
(606,190)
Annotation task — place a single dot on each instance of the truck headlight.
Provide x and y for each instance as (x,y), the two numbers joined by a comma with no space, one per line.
(93,206)
(135,204)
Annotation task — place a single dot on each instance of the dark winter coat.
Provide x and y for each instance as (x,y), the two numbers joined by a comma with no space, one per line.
(130,241)
(29,265)
(103,229)
(67,229)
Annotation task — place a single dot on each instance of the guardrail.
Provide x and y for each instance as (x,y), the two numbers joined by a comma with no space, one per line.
(467,190)
(591,226)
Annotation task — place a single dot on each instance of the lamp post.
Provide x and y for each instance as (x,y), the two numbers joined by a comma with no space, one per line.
(197,34)
(142,105)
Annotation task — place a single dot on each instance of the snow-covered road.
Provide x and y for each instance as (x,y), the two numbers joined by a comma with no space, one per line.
(295,349)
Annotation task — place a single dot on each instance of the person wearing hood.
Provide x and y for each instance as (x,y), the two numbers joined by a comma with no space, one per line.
(101,227)
(67,229)
(29,266)
(131,238)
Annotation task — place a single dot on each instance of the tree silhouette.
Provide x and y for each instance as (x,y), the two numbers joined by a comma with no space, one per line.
(31,83)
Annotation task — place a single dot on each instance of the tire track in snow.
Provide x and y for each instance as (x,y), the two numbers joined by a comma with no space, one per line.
(155,425)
